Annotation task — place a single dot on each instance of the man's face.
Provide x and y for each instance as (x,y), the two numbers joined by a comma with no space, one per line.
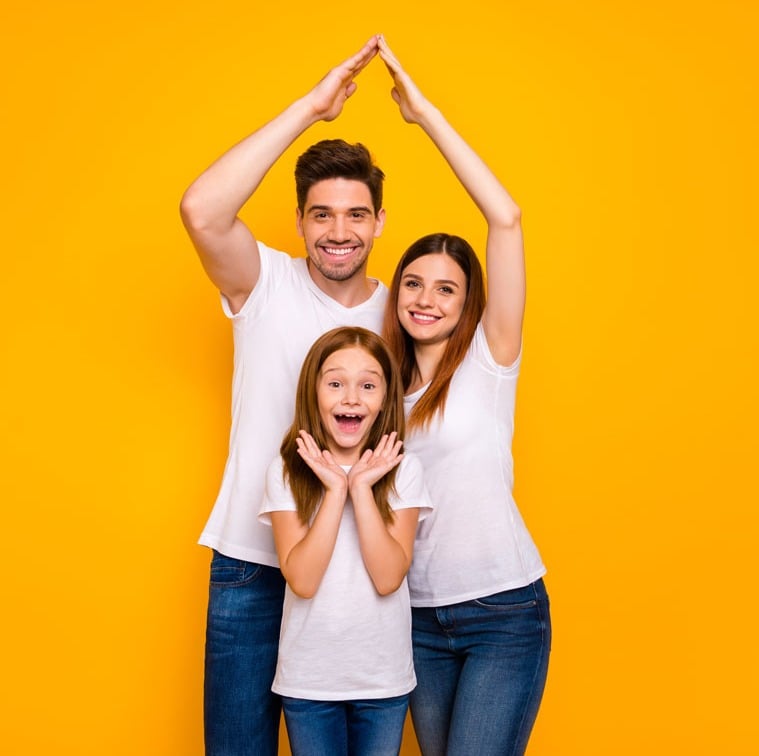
(339,227)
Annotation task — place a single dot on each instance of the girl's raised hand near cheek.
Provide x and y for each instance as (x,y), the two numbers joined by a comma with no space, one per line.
(322,463)
(375,463)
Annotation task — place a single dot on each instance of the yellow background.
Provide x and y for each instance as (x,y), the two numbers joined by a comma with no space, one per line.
(627,133)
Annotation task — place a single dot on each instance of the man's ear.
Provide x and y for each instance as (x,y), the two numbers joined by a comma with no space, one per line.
(299,221)
(380,223)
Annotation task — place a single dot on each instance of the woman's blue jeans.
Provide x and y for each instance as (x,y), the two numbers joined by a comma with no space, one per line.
(481,668)
(241,714)
(368,727)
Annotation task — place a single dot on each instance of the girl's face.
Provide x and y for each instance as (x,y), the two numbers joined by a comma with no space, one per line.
(431,298)
(350,394)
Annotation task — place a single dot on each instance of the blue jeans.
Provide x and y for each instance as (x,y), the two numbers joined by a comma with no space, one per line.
(241,714)
(481,668)
(369,727)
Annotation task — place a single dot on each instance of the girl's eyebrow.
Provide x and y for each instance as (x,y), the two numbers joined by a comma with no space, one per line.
(338,369)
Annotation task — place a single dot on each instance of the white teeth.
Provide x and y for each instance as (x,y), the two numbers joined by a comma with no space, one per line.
(339,252)
(426,318)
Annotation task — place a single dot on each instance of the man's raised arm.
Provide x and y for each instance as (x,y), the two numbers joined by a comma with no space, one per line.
(210,206)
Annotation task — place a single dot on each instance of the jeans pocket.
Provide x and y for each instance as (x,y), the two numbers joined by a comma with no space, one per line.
(229,572)
(509,601)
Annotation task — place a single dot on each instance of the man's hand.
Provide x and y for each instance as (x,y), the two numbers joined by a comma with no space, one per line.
(329,95)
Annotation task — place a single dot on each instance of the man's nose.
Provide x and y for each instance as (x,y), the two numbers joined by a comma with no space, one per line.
(339,233)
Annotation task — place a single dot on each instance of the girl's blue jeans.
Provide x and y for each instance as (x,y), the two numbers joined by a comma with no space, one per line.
(481,668)
(369,727)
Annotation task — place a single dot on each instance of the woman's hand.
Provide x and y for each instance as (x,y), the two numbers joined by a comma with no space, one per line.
(410,100)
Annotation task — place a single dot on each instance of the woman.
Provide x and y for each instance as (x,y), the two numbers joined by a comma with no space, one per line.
(481,624)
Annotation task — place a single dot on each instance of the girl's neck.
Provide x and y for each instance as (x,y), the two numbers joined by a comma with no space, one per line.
(343,458)
(427,358)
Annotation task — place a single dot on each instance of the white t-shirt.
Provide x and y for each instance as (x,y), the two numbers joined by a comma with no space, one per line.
(283,316)
(475,542)
(347,642)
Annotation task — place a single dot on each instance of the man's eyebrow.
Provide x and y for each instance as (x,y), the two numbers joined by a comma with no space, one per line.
(357,209)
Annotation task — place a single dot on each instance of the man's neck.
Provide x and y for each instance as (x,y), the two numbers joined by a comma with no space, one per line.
(351,292)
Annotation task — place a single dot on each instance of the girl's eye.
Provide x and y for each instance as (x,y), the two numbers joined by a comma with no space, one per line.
(369,386)
(334,384)
(411,284)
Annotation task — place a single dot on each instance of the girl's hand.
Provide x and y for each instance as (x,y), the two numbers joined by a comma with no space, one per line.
(376,463)
(410,100)
(321,461)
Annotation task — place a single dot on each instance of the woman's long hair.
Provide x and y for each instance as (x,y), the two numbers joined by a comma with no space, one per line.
(402,345)
(306,487)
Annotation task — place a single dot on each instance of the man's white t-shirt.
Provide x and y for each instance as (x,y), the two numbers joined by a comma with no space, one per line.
(283,316)
(347,642)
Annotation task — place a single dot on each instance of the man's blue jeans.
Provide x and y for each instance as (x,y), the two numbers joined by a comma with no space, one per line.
(369,727)
(242,636)
(481,668)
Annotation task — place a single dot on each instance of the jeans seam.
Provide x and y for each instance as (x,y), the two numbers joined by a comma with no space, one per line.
(535,673)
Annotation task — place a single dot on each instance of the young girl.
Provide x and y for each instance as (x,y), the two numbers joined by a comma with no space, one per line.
(481,622)
(344,505)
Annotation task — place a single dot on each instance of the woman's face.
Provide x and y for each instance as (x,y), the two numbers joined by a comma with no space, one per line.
(431,298)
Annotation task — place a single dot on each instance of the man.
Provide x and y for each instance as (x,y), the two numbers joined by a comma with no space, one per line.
(278,306)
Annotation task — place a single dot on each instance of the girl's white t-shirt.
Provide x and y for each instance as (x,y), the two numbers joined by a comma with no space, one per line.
(475,542)
(347,642)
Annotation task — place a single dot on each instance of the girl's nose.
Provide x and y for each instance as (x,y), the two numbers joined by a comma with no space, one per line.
(351,395)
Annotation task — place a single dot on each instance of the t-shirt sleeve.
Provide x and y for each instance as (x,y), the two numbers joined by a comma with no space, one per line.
(480,351)
(410,487)
(272,264)
(277,495)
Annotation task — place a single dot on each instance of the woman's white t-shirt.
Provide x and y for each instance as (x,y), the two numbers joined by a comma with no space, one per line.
(347,642)
(474,543)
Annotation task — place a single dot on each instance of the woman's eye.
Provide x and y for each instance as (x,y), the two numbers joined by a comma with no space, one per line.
(446,289)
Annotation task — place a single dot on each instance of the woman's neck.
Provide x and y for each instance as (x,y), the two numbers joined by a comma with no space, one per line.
(427,358)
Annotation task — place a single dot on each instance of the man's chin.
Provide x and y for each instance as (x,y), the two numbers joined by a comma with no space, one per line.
(339,272)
